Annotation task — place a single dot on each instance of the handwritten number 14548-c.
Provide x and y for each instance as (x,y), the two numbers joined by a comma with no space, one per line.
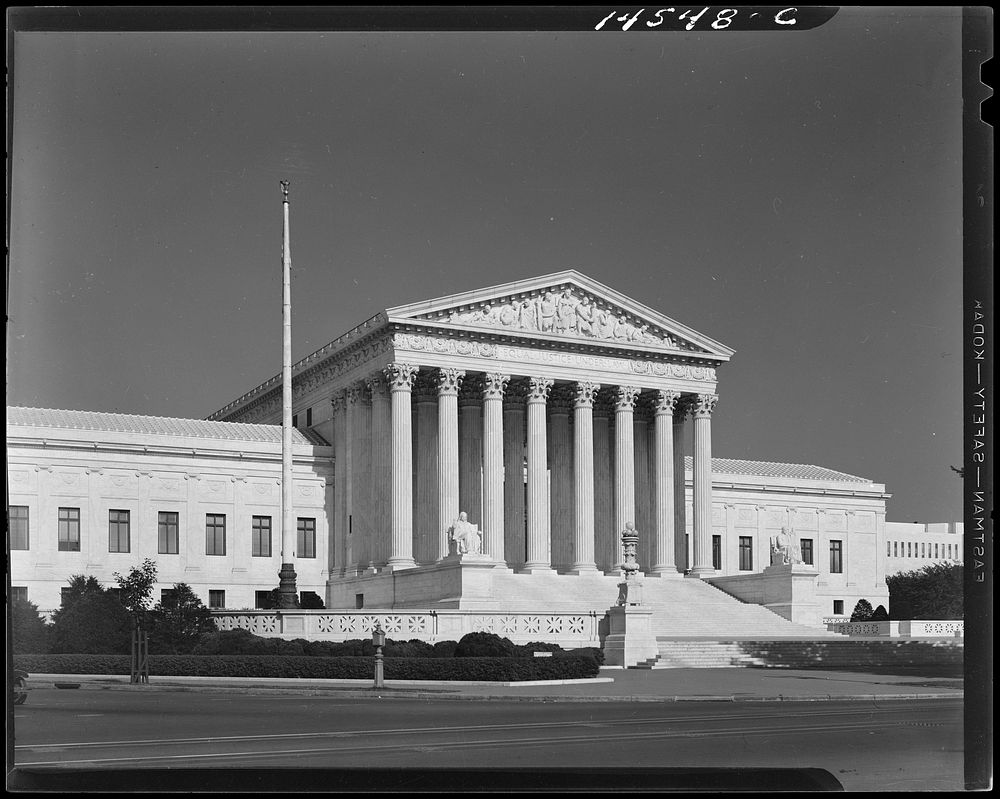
(723,18)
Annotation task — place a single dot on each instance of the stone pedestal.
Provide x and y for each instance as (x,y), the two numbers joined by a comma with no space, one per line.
(790,591)
(630,638)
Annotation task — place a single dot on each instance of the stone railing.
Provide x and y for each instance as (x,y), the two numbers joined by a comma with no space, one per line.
(570,629)
(899,629)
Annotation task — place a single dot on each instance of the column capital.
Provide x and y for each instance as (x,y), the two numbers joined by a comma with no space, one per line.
(516,395)
(357,393)
(585,393)
(338,401)
(448,381)
(664,402)
(561,399)
(471,390)
(703,405)
(625,397)
(400,376)
(377,385)
(538,389)
(494,385)
(425,388)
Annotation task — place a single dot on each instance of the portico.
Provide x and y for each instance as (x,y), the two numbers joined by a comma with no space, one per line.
(551,411)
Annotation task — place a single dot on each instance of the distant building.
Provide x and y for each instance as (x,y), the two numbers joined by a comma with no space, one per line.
(912,545)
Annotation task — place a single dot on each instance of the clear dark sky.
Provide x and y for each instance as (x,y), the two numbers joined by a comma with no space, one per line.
(794,195)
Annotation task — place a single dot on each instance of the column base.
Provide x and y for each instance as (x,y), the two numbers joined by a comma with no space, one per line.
(536,568)
(587,570)
(400,565)
(700,572)
(665,571)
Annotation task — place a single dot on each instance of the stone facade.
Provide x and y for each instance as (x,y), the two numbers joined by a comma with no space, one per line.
(551,411)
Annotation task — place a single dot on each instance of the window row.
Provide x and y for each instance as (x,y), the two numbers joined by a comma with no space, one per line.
(746,553)
(168,532)
(910,549)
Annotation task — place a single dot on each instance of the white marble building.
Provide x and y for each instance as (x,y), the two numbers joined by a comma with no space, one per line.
(910,546)
(551,411)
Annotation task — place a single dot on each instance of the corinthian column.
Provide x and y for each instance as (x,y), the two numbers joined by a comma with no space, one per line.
(625,397)
(449,381)
(664,403)
(470,448)
(381,468)
(538,495)
(702,413)
(513,483)
(583,478)
(493,517)
(401,377)
(338,549)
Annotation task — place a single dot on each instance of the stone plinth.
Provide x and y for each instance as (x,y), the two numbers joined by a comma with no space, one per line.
(788,589)
(630,638)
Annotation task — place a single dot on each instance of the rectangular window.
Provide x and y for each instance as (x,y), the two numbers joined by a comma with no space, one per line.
(838,607)
(216,599)
(909,549)
(895,549)
(168,540)
(746,553)
(935,550)
(295,420)
(306,544)
(260,532)
(309,417)
(64,593)
(167,593)
(69,529)
(806,545)
(215,534)
(717,552)
(262,600)
(888,549)
(18,516)
(922,551)
(18,593)
(836,557)
(118,531)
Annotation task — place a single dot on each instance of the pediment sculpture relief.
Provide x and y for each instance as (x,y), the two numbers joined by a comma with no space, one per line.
(567,313)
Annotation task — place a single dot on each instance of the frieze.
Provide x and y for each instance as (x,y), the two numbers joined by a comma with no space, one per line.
(445,346)
(566,312)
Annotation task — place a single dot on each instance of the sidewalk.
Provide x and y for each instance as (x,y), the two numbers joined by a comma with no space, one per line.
(613,685)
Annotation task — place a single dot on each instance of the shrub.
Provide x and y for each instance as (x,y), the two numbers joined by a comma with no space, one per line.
(862,611)
(342,668)
(29,631)
(90,620)
(310,600)
(407,649)
(880,614)
(445,649)
(528,650)
(178,621)
(474,645)
(933,592)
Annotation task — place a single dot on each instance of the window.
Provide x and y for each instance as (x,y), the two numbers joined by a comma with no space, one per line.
(18,593)
(306,544)
(888,549)
(838,607)
(69,529)
(260,531)
(215,534)
(216,599)
(909,549)
(806,546)
(935,550)
(716,551)
(167,594)
(836,557)
(746,553)
(295,420)
(64,594)
(167,537)
(895,549)
(18,526)
(922,554)
(262,600)
(309,417)
(118,531)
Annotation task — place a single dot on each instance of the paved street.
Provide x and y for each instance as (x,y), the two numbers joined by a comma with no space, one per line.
(875,745)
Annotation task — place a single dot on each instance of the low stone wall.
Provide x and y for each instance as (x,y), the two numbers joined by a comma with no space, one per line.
(568,629)
(899,629)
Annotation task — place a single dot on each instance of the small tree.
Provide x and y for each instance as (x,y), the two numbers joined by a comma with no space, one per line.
(880,614)
(90,620)
(135,591)
(177,622)
(862,611)
(29,632)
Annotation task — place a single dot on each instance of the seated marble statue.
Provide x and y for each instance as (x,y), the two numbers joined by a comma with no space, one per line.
(465,535)
(785,548)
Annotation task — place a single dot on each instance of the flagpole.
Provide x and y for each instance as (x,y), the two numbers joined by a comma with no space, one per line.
(286,577)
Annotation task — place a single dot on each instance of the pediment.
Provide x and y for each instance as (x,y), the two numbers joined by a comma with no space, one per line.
(566,305)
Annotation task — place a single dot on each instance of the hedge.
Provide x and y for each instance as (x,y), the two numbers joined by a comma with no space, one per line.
(559,667)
